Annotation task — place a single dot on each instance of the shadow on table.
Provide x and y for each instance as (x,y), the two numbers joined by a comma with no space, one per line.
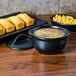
(58,59)
(47,63)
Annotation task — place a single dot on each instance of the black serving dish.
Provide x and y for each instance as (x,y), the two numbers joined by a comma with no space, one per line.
(47,45)
(38,22)
(72,28)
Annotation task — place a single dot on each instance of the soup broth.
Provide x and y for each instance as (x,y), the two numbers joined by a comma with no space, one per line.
(49,33)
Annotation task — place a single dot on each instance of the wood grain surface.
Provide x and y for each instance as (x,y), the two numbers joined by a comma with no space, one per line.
(31,63)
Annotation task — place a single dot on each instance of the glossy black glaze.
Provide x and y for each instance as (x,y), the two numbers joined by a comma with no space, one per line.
(21,42)
(72,28)
(47,45)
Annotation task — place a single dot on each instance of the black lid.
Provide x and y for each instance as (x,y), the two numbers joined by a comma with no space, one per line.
(21,42)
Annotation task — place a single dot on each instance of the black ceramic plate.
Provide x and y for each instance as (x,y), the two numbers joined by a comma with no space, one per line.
(37,23)
(72,28)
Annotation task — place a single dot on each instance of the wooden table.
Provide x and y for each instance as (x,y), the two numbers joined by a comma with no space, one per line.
(31,63)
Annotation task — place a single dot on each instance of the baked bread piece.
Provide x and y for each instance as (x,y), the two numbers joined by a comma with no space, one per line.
(2,30)
(7,25)
(26,18)
(19,24)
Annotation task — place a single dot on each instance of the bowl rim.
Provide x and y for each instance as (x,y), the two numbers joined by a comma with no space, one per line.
(51,18)
(49,26)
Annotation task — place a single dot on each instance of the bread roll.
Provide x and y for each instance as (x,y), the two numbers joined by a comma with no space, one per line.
(26,18)
(2,30)
(19,24)
(7,25)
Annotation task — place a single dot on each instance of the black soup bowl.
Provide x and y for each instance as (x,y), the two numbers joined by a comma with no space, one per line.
(49,45)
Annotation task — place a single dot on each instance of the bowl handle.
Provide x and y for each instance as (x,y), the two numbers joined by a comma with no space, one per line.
(19,37)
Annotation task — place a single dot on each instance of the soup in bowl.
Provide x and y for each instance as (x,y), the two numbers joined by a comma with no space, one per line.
(49,33)
(49,39)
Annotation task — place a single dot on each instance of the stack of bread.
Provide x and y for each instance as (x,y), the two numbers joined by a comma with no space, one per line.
(15,23)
